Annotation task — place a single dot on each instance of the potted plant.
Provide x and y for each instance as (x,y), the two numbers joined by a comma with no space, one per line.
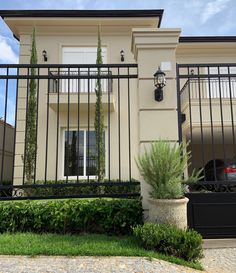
(162,167)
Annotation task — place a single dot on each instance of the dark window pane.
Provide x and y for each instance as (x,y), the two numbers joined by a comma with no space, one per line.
(91,153)
(73,163)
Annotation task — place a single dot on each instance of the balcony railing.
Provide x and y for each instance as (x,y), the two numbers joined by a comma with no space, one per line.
(213,88)
(81,81)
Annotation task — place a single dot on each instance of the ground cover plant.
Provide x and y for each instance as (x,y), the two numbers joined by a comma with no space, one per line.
(82,245)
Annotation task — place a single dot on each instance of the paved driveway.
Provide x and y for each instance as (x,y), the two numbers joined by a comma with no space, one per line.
(216,260)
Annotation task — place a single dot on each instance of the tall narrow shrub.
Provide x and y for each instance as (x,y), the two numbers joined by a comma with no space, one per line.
(99,118)
(31,141)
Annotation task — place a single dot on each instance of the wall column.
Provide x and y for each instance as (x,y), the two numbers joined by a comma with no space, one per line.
(153,48)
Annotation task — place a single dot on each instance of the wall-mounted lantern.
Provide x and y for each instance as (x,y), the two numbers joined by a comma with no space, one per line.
(45,55)
(159,82)
(122,55)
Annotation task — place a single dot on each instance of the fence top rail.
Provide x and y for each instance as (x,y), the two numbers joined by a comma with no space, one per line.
(206,65)
(206,76)
(68,65)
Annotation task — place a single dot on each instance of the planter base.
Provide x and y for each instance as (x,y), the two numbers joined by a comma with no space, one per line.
(169,211)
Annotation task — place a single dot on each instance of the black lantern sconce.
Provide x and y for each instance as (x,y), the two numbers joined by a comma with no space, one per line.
(160,83)
(45,55)
(122,55)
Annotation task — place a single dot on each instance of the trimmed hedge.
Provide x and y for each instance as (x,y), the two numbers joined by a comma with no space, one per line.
(110,216)
(72,190)
(170,240)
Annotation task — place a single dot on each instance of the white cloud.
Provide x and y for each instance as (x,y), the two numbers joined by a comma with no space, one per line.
(212,8)
(7,55)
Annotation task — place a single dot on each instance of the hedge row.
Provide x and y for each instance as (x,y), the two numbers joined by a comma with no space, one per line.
(167,239)
(116,216)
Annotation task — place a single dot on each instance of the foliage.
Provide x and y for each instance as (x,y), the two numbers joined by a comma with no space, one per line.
(71,216)
(163,167)
(31,141)
(99,118)
(185,244)
(78,190)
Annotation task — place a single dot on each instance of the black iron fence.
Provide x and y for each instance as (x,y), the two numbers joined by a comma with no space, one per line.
(207,103)
(207,115)
(62,147)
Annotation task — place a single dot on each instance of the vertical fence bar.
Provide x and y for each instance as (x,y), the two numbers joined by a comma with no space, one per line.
(179,105)
(129,140)
(119,151)
(99,118)
(26,121)
(4,128)
(201,128)
(190,111)
(16,110)
(58,119)
(88,131)
(47,126)
(109,128)
(78,126)
(68,127)
(221,114)
(36,136)
(232,113)
(211,121)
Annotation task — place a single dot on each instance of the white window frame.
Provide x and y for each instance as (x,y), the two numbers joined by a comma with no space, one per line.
(84,176)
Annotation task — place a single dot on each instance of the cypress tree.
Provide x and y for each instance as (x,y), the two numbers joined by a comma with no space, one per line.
(99,118)
(31,141)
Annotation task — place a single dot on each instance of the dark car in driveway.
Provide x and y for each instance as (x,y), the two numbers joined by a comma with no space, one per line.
(220,174)
(217,170)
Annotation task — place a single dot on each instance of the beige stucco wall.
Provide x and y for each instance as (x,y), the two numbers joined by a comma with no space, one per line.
(157,120)
(115,41)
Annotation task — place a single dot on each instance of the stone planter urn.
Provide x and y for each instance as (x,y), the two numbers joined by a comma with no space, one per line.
(168,211)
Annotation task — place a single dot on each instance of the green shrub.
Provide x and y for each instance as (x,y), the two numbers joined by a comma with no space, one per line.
(185,244)
(162,167)
(79,190)
(111,216)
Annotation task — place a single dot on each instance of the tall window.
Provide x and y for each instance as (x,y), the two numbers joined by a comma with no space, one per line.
(80,153)
(81,55)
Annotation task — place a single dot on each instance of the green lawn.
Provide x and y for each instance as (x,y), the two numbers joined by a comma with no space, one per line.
(80,245)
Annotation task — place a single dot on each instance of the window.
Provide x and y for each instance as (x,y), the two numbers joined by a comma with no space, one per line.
(80,153)
(81,55)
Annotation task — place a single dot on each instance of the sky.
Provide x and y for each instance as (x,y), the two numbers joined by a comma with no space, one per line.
(194,17)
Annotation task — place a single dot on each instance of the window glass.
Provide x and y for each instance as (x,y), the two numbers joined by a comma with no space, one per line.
(74,153)
(80,153)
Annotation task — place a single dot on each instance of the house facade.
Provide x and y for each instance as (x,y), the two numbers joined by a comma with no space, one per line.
(199,99)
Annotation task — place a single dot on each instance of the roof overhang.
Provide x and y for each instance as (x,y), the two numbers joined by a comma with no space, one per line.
(206,45)
(23,19)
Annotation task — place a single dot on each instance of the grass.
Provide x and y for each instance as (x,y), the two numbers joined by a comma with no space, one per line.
(79,245)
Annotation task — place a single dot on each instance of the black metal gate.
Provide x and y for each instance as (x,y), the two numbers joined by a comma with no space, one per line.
(207,115)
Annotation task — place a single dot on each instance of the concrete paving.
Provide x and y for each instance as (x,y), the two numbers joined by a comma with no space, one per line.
(219,243)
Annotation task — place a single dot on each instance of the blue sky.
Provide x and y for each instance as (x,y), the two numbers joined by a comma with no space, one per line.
(195,17)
